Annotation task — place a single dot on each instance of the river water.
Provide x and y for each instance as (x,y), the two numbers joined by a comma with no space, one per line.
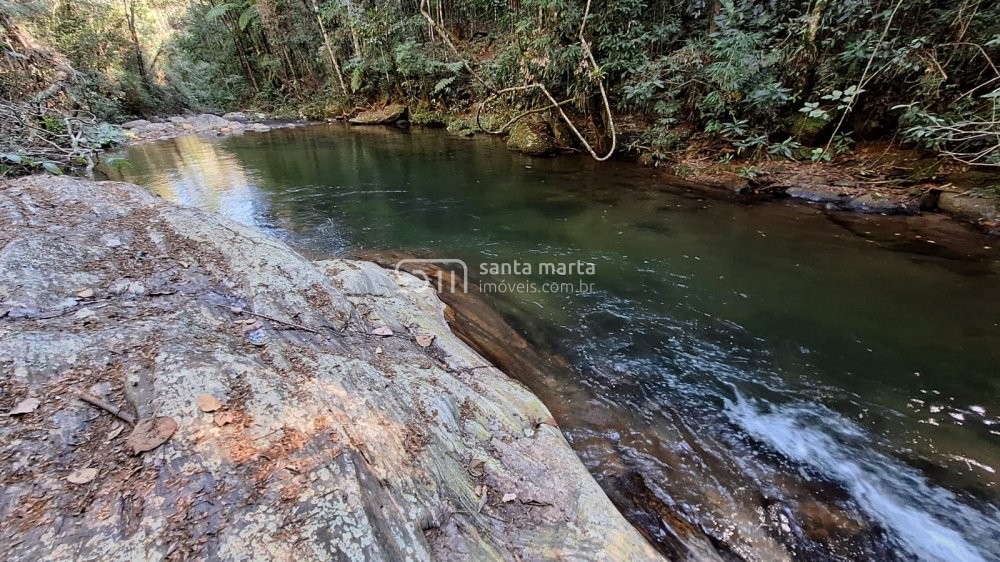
(793,383)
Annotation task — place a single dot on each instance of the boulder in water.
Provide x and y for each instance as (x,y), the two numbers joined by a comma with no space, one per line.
(531,135)
(385,116)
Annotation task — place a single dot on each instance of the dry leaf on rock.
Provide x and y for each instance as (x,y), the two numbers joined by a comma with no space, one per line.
(208,403)
(477,467)
(85,293)
(150,433)
(425,340)
(378,350)
(482,500)
(223,418)
(382,331)
(116,430)
(25,406)
(82,476)
(507,498)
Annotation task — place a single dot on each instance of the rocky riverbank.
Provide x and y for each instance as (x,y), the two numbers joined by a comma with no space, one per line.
(874,178)
(286,409)
(233,123)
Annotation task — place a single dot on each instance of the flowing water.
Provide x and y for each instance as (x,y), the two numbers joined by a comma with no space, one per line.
(791,382)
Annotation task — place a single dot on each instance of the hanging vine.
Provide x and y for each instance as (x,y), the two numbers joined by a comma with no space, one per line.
(589,63)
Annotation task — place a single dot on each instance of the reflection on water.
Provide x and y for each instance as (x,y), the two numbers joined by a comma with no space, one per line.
(794,384)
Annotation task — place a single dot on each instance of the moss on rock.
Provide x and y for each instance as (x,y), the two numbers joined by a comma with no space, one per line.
(532,136)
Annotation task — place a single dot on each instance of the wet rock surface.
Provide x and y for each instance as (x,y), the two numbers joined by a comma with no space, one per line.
(981,210)
(853,198)
(323,410)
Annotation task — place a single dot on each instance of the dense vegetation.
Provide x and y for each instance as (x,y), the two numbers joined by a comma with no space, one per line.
(797,78)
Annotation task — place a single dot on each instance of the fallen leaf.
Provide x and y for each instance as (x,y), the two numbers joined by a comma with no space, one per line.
(482,501)
(507,498)
(477,467)
(235,310)
(382,331)
(378,350)
(85,293)
(25,406)
(425,340)
(208,403)
(251,326)
(82,476)
(150,433)
(249,321)
(116,430)
(223,418)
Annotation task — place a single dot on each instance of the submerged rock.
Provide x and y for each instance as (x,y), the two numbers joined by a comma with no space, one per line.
(532,136)
(385,116)
(327,442)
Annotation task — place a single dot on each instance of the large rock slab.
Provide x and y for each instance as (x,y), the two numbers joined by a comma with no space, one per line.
(968,207)
(385,116)
(207,121)
(300,434)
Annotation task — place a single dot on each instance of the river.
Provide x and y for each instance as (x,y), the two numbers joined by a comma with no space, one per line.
(791,382)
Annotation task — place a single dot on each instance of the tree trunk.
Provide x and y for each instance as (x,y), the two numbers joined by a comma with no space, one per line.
(21,41)
(815,18)
(329,47)
(713,15)
(139,59)
(354,32)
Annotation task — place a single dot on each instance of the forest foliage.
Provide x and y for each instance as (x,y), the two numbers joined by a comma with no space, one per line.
(801,79)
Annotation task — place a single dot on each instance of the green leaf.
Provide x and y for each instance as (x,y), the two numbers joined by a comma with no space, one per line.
(442,84)
(12,158)
(248,16)
(218,11)
(52,168)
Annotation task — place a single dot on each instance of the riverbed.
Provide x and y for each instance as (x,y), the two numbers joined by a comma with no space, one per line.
(789,381)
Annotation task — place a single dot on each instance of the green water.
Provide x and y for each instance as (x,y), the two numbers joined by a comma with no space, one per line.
(746,362)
